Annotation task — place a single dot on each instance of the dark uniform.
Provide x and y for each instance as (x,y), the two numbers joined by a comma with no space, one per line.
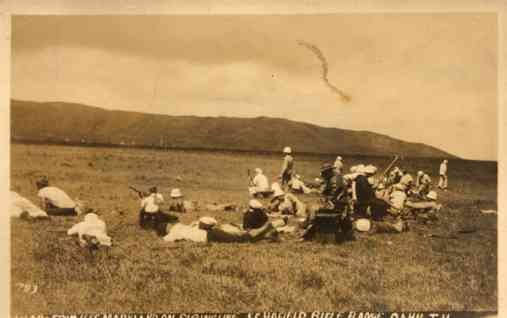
(287,169)
(254,219)
(334,217)
(366,198)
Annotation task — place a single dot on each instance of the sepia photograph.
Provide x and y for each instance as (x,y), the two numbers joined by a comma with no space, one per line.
(235,163)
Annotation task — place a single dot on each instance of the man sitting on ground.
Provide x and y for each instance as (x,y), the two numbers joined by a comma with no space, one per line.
(150,215)
(392,222)
(286,203)
(259,186)
(394,176)
(298,186)
(333,215)
(255,216)
(422,184)
(177,204)
(397,199)
(363,194)
(426,210)
(407,180)
(55,201)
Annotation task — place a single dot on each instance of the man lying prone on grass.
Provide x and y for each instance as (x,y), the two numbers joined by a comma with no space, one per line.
(256,226)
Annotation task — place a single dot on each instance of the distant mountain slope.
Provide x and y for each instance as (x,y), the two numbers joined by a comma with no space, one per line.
(75,123)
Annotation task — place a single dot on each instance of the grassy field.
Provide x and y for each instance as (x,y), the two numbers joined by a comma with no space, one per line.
(141,272)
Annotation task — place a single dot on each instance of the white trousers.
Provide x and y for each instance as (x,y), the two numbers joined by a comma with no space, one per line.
(442,182)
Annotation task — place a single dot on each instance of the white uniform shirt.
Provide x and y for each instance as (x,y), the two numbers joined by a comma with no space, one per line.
(443,169)
(398,199)
(338,164)
(56,197)
(260,182)
(425,179)
(93,227)
(183,232)
(19,205)
(406,179)
(151,203)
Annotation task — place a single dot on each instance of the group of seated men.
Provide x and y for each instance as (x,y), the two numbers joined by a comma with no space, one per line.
(386,201)
(344,198)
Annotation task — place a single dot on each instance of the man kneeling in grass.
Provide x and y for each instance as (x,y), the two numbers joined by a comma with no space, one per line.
(286,203)
(91,232)
(55,201)
(425,210)
(150,215)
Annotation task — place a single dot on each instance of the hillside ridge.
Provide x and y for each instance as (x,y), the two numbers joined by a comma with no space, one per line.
(62,122)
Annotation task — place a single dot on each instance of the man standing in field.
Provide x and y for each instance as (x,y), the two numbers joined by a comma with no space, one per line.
(442,182)
(55,201)
(338,164)
(287,167)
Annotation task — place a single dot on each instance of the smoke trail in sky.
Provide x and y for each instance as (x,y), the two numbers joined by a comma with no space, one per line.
(323,61)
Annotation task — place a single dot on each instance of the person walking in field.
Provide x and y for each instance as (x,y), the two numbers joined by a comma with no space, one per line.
(287,167)
(55,201)
(442,182)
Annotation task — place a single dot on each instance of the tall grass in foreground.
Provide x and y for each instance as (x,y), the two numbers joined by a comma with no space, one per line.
(407,271)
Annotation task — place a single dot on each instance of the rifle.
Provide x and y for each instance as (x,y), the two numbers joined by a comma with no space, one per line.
(250,178)
(139,192)
(389,166)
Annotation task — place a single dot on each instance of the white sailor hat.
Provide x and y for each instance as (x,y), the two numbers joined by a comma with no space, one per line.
(255,204)
(176,193)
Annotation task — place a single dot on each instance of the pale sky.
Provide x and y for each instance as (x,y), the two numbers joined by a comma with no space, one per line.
(428,78)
